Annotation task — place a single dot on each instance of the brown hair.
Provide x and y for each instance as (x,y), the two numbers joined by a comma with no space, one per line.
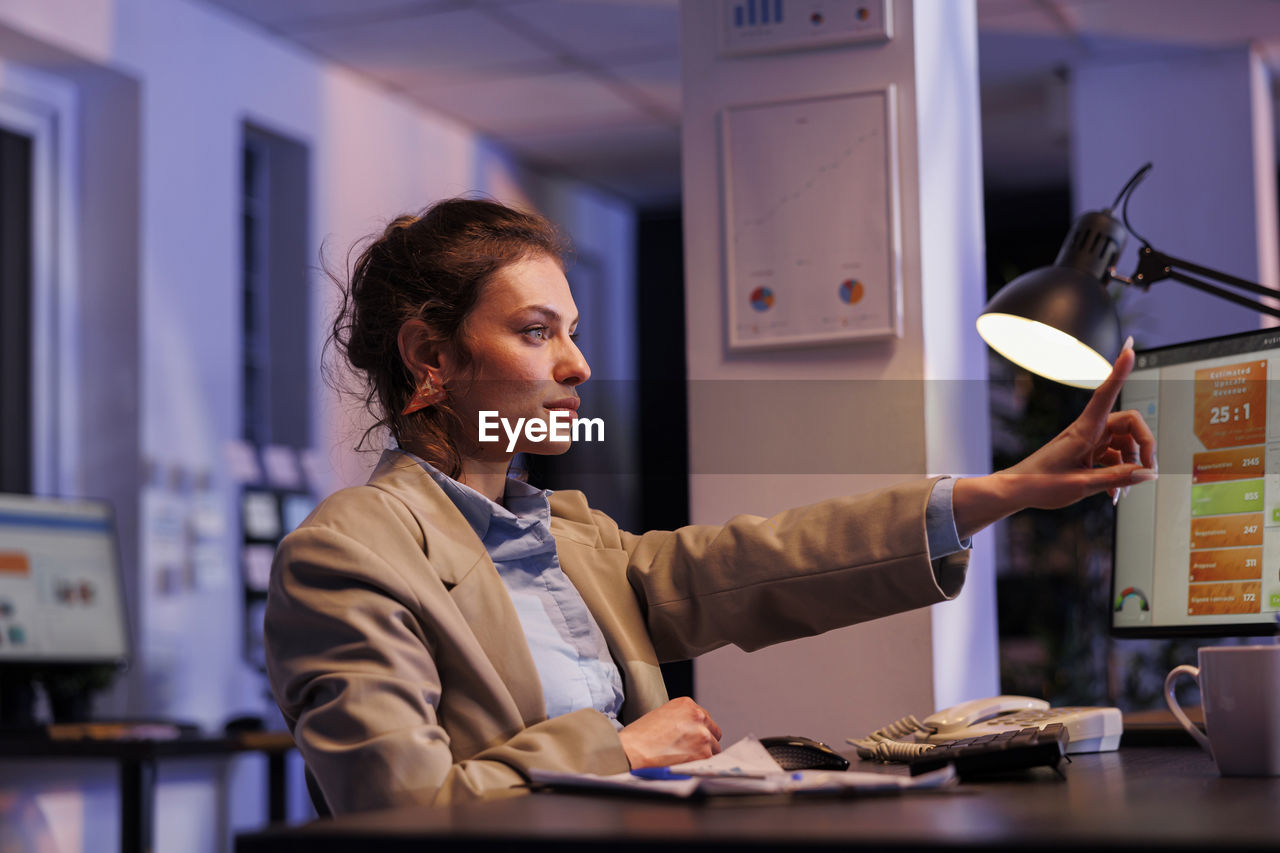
(433,267)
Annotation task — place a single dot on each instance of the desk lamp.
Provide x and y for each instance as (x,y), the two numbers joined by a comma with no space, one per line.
(1058,321)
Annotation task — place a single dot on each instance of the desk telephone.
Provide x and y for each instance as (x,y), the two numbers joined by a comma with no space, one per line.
(1089,729)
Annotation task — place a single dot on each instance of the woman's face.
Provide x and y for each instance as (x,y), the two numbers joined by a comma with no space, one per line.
(524,362)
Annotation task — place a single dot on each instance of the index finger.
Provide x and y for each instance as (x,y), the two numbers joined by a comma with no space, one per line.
(1105,395)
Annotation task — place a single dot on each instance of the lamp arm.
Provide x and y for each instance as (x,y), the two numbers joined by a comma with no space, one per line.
(1155,266)
(1206,287)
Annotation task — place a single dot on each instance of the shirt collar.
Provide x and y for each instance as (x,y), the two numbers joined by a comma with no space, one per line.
(522,505)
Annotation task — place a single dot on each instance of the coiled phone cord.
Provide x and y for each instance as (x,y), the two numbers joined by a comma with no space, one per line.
(885,744)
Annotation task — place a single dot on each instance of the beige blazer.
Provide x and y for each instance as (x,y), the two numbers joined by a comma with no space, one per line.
(398,661)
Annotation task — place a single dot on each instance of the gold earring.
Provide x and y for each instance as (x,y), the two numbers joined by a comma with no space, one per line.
(427,394)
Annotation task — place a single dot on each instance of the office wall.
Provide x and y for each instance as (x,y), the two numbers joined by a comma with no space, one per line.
(163,88)
(1205,120)
(853,416)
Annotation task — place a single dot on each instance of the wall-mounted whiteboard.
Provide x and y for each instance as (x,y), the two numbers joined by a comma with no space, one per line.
(811,221)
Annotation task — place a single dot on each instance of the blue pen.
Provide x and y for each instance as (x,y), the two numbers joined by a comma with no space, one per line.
(658,773)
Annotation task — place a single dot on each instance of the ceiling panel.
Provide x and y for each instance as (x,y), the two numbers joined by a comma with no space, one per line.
(657,80)
(274,13)
(565,100)
(456,41)
(1174,22)
(1027,16)
(1204,23)
(592,87)
(600,30)
(422,81)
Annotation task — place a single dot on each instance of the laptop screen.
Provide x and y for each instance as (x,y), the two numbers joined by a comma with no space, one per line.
(61,596)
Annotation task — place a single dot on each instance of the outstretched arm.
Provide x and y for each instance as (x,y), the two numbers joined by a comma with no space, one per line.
(1100,451)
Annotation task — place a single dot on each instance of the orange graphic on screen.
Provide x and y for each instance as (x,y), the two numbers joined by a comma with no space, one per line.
(1236,463)
(1226,564)
(14,562)
(1226,531)
(1214,598)
(1231,404)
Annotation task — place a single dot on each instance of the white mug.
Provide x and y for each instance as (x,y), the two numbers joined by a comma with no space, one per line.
(1240,696)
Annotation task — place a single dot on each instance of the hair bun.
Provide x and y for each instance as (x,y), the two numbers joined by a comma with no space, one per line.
(404,220)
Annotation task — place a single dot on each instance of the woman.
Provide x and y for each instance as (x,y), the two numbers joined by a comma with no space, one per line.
(438,632)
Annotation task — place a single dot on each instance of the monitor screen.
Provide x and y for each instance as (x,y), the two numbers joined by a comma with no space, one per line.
(295,507)
(61,597)
(260,514)
(1198,551)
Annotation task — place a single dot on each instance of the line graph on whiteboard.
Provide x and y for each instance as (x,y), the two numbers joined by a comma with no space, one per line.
(811,228)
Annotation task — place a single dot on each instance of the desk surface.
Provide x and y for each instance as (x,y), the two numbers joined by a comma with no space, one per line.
(41,746)
(1163,798)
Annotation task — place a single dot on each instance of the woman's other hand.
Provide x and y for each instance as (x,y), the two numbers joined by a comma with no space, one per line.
(1100,451)
(679,731)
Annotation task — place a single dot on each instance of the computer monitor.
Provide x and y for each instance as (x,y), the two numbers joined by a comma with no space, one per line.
(61,595)
(1198,551)
(260,515)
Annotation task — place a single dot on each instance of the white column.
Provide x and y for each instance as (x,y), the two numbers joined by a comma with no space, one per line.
(853,680)
(953,284)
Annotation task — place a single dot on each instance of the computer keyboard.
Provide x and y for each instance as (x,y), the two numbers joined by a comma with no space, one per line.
(1002,752)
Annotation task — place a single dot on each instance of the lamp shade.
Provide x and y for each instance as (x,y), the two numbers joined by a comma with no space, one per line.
(1058,321)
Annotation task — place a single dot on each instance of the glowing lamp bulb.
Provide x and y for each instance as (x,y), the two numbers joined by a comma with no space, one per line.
(1044,350)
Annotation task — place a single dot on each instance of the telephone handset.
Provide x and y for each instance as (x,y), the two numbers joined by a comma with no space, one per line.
(1089,729)
(967,714)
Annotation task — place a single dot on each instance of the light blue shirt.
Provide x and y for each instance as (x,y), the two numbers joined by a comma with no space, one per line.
(940,522)
(569,651)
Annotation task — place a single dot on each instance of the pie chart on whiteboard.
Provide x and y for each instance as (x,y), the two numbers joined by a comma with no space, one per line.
(762,299)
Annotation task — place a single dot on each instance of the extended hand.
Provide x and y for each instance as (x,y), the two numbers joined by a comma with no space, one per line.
(1100,451)
(679,731)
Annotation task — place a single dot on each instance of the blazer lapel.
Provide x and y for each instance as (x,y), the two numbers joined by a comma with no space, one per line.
(454,548)
(460,561)
(600,575)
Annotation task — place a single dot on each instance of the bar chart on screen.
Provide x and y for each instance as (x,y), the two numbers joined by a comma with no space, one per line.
(1227,489)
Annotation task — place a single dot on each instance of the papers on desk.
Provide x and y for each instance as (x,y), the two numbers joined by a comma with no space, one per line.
(744,768)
